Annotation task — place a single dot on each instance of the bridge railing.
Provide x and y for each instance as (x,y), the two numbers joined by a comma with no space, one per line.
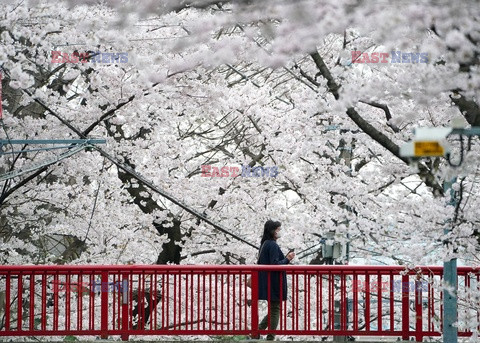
(217,300)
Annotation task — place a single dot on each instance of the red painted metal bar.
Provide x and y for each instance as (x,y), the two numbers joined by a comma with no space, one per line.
(20,302)
(104,306)
(32,302)
(297,301)
(179,319)
(125,296)
(198,301)
(245,303)
(222,300)
(321,301)
(318,301)
(192,320)
(91,304)
(210,302)
(308,302)
(44,303)
(431,309)
(343,303)
(379,302)
(67,300)
(130,301)
(367,302)
(331,302)
(405,307)
(215,300)
(418,311)
(254,318)
(175,303)
(150,269)
(234,301)
(355,301)
(391,302)
(305,304)
(80,307)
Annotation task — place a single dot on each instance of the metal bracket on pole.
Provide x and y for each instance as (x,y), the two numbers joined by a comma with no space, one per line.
(74,146)
(70,142)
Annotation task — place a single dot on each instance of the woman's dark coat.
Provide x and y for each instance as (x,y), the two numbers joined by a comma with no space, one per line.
(270,253)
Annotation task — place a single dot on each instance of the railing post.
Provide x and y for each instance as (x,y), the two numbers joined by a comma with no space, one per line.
(418,311)
(337,311)
(104,306)
(124,306)
(7,303)
(254,303)
(405,307)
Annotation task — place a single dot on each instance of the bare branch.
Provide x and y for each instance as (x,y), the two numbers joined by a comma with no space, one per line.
(385,108)
(370,130)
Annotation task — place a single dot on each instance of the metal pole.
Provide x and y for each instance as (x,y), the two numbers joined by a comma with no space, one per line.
(450,332)
(328,255)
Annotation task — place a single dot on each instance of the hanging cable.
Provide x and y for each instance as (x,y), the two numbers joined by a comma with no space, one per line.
(170,197)
(94,206)
(140,178)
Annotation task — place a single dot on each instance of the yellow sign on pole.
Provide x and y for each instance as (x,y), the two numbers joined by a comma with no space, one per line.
(428,148)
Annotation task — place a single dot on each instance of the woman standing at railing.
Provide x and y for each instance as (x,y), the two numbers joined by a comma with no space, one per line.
(270,253)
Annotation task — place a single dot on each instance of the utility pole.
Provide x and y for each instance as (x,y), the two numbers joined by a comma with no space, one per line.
(450,332)
(432,142)
(331,252)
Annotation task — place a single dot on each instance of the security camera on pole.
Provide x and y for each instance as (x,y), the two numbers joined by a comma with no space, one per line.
(432,142)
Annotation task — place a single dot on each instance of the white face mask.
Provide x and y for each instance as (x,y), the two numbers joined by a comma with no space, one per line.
(278,234)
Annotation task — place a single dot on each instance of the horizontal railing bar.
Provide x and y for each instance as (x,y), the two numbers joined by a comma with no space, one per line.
(145,269)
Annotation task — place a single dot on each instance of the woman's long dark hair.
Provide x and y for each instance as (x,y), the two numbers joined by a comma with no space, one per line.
(269,230)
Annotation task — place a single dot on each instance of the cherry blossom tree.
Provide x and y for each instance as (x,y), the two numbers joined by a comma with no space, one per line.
(235,84)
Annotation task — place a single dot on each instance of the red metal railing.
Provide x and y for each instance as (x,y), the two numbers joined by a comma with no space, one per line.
(215,300)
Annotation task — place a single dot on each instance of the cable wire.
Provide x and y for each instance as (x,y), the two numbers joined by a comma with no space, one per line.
(135,175)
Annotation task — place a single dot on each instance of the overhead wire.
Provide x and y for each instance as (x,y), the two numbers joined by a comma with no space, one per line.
(141,178)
